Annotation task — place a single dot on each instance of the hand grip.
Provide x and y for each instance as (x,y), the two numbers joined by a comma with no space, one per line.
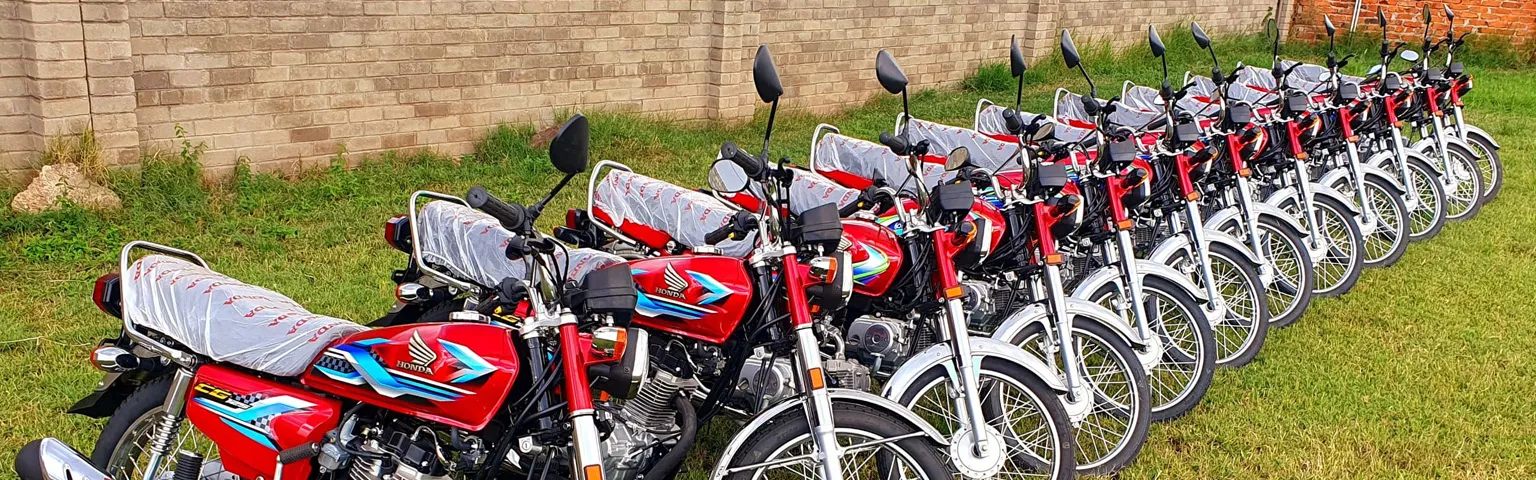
(301,452)
(1014,122)
(895,143)
(511,216)
(749,164)
(720,234)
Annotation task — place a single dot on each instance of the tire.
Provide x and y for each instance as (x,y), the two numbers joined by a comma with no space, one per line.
(782,436)
(1183,375)
(1111,353)
(1389,241)
(996,374)
(142,410)
(1288,297)
(1464,185)
(1339,268)
(1241,335)
(1488,163)
(1428,218)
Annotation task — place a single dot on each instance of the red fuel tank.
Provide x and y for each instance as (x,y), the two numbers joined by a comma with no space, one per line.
(251,419)
(457,374)
(697,296)
(876,255)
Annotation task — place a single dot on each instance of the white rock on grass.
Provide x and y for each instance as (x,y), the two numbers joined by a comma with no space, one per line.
(64,181)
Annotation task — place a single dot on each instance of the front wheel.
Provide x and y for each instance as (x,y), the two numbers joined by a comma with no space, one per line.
(1037,435)
(1389,240)
(1488,163)
(1428,214)
(1182,374)
(1463,184)
(1111,432)
(782,448)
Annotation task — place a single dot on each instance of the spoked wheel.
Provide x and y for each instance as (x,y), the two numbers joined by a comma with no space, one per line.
(1463,184)
(1110,435)
(1036,433)
(123,450)
(1241,333)
(1428,214)
(1385,244)
(1182,375)
(1488,164)
(1290,292)
(783,449)
(1338,269)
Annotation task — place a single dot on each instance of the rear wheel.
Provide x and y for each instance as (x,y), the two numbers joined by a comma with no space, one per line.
(777,450)
(1036,432)
(1182,375)
(122,450)
(1111,433)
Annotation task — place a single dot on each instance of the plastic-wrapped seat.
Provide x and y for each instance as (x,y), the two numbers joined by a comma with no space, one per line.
(986,151)
(472,245)
(1201,99)
(1138,106)
(227,320)
(657,213)
(808,190)
(858,163)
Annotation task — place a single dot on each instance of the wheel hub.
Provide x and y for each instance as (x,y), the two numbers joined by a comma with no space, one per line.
(962,449)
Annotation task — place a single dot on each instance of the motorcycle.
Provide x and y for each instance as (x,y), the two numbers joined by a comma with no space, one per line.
(216,377)
(1482,145)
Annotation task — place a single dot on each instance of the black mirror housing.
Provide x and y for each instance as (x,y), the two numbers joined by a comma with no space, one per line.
(568,150)
(1449,16)
(1016,58)
(1156,42)
(766,76)
(889,73)
(1328,25)
(1200,37)
(1069,50)
(1381,18)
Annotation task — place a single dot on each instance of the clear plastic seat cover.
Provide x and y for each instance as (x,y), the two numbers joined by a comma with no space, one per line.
(472,246)
(685,215)
(808,190)
(991,120)
(1313,78)
(1073,123)
(1254,85)
(222,318)
(1138,106)
(835,152)
(986,152)
(1201,99)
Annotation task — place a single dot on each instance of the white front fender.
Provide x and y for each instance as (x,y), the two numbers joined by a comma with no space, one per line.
(838,396)
(940,356)
(1106,275)
(1079,309)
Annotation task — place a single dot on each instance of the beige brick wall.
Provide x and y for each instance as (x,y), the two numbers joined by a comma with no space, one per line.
(288,83)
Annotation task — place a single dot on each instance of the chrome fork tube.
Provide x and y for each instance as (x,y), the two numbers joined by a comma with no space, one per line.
(1069,359)
(1202,252)
(1251,219)
(164,438)
(1133,281)
(1367,211)
(1401,152)
(819,412)
(1304,185)
(969,399)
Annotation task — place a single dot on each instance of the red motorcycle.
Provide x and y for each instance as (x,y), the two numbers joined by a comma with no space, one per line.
(274,391)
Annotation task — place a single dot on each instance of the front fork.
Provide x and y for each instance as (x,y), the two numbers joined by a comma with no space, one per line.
(1304,186)
(1217,308)
(1152,352)
(1367,210)
(1068,349)
(968,400)
(1267,271)
(812,378)
(1400,152)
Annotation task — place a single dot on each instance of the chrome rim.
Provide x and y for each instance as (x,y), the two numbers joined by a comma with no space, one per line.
(1173,379)
(1032,442)
(795,459)
(1107,428)
(1284,294)
(131,455)
(1388,235)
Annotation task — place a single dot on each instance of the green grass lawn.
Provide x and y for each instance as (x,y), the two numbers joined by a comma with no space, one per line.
(1424,370)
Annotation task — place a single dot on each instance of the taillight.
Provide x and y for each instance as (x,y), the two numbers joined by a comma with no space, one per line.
(397,233)
(108,294)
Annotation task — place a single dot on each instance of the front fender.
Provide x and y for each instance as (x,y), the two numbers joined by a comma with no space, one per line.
(1079,309)
(1234,214)
(1473,131)
(1165,251)
(1424,145)
(940,356)
(1105,275)
(1381,158)
(838,396)
(1384,177)
(1327,191)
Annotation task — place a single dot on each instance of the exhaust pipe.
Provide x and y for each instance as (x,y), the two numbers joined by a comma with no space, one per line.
(50,459)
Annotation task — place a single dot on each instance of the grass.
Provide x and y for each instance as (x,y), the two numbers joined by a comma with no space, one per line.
(1423,371)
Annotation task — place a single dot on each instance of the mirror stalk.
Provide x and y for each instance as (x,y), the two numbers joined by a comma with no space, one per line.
(773,111)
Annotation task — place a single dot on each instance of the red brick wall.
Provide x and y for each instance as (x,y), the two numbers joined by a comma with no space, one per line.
(1513,19)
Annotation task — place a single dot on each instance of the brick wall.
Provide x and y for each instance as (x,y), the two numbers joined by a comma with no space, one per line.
(287,83)
(1514,19)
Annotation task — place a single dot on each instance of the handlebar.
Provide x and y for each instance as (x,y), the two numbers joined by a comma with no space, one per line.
(750,165)
(512,216)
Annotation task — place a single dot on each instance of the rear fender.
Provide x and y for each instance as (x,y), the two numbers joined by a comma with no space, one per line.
(838,396)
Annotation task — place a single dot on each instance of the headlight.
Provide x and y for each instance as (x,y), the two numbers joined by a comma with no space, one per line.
(830,281)
(625,354)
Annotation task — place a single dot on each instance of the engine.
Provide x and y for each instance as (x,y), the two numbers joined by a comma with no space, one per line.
(879,341)
(398,449)
(640,424)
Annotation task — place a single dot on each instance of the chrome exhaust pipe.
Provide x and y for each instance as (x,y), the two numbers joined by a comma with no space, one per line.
(50,459)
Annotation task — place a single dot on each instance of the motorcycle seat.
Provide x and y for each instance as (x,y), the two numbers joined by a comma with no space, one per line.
(656,213)
(857,164)
(227,320)
(471,246)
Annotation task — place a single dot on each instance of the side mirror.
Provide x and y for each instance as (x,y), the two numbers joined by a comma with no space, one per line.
(1409,55)
(1328,25)
(727,177)
(957,158)
(766,76)
(1381,19)
(1155,41)
(568,150)
(1375,69)
(889,73)
(1427,17)
(1069,51)
(1016,57)
(1449,16)
(1045,131)
(1200,37)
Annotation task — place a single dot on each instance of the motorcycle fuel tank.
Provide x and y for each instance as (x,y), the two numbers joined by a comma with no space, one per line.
(702,297)
(251,419)
(457,374)
(876,255)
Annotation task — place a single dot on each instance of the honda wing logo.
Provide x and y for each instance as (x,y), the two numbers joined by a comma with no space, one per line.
(676,284)
(422,356)
(671,299)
